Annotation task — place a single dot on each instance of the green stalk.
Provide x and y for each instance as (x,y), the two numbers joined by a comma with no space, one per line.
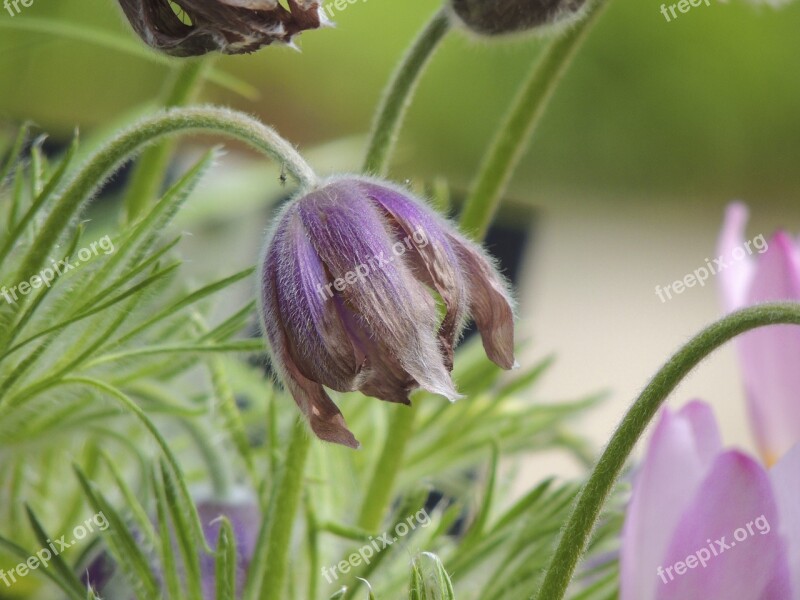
(289,491)
(399,92)
(519,124)
(594,493)
(381,486)
(389,117)
(111,155)
(148,174)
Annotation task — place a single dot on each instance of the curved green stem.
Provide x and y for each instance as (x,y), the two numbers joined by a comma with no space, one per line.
(399,92)
(600,483)
(282,521)
(148,174)
(514,135)
(148,131)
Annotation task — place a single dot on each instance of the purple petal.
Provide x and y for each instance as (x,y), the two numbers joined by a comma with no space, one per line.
(436,261)
(785,477)
(734,280)
(245,519)
(679,455)
(389,303)
(769,355)
(324,417)
(733,507)
(317,339)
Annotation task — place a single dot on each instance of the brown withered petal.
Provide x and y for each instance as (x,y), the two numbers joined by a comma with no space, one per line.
(227,26)
(489,302)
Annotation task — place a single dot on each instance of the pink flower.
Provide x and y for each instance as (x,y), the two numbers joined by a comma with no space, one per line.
(770,356)
(710,524)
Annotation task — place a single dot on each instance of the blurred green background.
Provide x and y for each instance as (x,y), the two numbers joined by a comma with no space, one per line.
(705,104)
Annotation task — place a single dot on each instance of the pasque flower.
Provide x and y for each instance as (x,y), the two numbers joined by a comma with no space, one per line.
(769,356)
(349,285)
(105,577)
(499,17)
(227,26)
(710,524)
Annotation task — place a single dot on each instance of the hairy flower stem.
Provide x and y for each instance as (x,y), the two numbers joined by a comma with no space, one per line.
(148,174)
(399,92)
(381,486)
(289,490)
(388,119)
(109,157)
(519,124)
(590,500)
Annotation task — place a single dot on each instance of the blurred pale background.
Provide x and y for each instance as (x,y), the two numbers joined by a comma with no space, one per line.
(656,127)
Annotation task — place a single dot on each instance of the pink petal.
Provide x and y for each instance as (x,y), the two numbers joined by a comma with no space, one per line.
(770,355)
(735,505)
(734,280)
(681,451)
(785,477)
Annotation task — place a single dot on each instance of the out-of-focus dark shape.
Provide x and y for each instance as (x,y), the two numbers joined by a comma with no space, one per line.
(195,27)
(500,17)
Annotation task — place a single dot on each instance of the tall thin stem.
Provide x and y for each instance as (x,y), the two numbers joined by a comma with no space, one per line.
(289,490)
(381,486)
(148,174)
(519,124)
(399,92)
(388,119)
(589,502)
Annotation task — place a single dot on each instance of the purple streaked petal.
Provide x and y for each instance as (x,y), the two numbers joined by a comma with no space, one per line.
(680,453)
(349,234)
(317,339)
(734,280)
(736,495)
(438,262)
(785,477)
(324,417)
(769,355)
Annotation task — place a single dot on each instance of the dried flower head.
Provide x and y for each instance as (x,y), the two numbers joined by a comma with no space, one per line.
(195,27)
(349,281)
(499,17)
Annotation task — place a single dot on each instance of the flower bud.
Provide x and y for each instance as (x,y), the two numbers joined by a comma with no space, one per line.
(499,17)
(227,26)
(349,285)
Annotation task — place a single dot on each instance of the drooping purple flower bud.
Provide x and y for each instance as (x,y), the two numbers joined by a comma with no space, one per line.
(500,17)
(349,281)
(227,26)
